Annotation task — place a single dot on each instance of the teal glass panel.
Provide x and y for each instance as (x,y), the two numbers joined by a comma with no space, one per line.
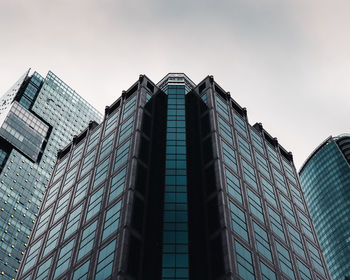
(239,223)
(266,272)
(82,272)
(233,186)
(262,241)
(105,261)
(244,262)
(175,263)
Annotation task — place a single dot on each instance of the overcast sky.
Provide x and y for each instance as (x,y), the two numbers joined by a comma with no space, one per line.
(287,61)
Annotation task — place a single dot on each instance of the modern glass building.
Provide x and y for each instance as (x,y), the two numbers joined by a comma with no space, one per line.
(38,116)
(325,178)
(174,184)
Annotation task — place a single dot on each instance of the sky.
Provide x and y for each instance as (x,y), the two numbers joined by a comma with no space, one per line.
(287,62)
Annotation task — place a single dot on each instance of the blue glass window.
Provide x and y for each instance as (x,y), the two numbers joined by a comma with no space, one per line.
(315,258)
(289,172)
(78,151)
(111,123)
(87,240)
(81,189)
(106,146)
(101,173)
(73,221)
(262,241)
(122,154)
(267,273)
(244,262)
(240,125)
(233,186)
(70,178)
(239,224)
(43,222)
(304,272)
(249,174)
(255,205)
(297,197)
(229,156)
(111,220)
(288,209)
(129,107)
(32,255)
(296,241)
(269,192)
(60,169)
(117,185)
(280,182)
(52,193)
(273,156)
(263,165)
(64,259)
(126,129)
(225,131)
(62,206)
(257,141)
(244,148)
(93,140)
(88,163)
(276,223)
(95,203)
(105,261)
(52,239)
(222,108)
(44,270)
(82,272)
(284,259)
(305,225)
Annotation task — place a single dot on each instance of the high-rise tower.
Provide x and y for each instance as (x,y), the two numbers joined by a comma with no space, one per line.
(38,116)
(325,178)
(174,184)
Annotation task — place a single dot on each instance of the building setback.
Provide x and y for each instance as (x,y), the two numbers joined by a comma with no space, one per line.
(325,179)
(174,184)
(38,116)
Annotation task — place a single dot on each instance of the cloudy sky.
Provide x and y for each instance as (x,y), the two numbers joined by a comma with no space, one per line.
(287,61)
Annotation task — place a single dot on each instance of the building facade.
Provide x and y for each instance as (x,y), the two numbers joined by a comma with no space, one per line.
(325,179)
(174,184)
(38,116)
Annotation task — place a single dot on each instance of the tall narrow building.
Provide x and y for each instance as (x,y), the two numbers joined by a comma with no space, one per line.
(174,184)
(325,178)
(38,116)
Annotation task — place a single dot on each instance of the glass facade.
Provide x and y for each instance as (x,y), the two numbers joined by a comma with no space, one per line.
(174,184)
(325,178)
(38,116)
(175,263)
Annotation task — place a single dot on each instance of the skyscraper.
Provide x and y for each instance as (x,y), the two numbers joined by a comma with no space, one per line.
(325,179)
(38,116)
(174,184)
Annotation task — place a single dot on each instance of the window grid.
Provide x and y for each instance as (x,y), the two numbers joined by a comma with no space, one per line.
(249,175)
(229,156)
(87,240)
(233,186)
(111,220)
(117,185)
(244,262)
(255,205)
(105,261)
(262,241)
(239,223)
(64,259)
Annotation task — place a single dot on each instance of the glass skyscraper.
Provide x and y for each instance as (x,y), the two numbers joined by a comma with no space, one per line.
(38,116)
(174,184)
(325,178)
